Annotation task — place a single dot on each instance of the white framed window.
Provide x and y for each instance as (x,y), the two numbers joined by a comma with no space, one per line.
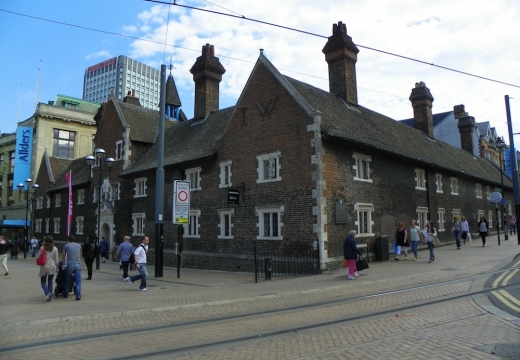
(191,230)
(499,222)
(478,190)
(39,202)
(95,195)
(454,182)
(362,167)
(48,202)
(115,191)
(58,200)
(119,150)
(490,219)
(480,213)
(81,196)
(422,216)
(455,212)
(268,167)
(140,187)
(38,225)
(193,176)
(364,219)
(79,224)
(440,215)
(226,225)
(488,194)
(420,179)
(56,225)
(225,174)
(138,223)
(270,222)
(47,225)
(438,182)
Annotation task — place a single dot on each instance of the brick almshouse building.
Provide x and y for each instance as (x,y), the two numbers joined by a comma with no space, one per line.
(309,165)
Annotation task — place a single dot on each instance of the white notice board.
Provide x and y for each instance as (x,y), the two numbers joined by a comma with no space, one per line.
(181,202)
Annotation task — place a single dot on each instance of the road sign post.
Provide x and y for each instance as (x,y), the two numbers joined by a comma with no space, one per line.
(181,214)
(496,197)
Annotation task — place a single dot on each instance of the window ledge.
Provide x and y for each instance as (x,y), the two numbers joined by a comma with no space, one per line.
(454,193)
(364,235)
(364,180)
(269,238)
(259,181)
(226,237)
(439,192)
(420,188)
(224,186)
(138,196)
(191,236)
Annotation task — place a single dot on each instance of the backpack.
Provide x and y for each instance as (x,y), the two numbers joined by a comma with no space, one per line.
(90,251)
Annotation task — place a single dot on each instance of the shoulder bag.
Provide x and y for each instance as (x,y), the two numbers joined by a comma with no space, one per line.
(42,259)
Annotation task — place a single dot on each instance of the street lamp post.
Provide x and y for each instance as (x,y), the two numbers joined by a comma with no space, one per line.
(500,144)
(25,235)
(91,160)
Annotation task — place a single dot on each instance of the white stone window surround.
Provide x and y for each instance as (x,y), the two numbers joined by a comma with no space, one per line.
(57,200)
(422,216)
(47,225)
(272,160)
(440,223)
(138,223)
(491,219)
(79,224)
(364,220)
(56,225)
(478,190)
(488,193)
(438,183)
(140,187)
(362,167)
(119,150)
(274,214)
(38,225)
(225,174)
(39,202)
(454,184)
(193,176)
(420,179)
(226,216)
(192,230)
(81,196)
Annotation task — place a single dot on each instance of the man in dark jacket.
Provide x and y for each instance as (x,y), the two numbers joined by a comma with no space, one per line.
(350,251)
(89,251)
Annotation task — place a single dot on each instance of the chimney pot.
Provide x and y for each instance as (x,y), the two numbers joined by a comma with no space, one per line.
(421,99)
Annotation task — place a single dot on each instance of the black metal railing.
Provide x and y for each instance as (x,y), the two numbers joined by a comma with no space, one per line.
(278,259)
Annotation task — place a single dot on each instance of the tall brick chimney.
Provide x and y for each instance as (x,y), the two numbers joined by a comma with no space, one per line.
(422,99)
(466,127)
(341,55)
(207,74)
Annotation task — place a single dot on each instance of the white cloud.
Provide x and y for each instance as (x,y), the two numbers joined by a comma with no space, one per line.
(99,54)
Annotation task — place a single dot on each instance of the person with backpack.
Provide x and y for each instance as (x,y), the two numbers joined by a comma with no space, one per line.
(140,263)
(125,250)
(89,254)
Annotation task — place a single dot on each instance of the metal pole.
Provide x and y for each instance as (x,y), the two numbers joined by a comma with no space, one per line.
(498,222)
(179,249)
(98,255)
(502,207)
(514,167)
(159,181)
(24,240)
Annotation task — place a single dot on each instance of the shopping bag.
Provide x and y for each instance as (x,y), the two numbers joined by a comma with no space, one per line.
(42,259)
(469,237)
(361,264)
(436,241)
(394,244)
(345,263)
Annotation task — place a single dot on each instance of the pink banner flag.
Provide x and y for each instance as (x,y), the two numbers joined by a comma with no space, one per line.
(68,177)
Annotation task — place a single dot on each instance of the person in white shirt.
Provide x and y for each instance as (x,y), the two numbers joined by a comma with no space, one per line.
(34,245)
(140,263)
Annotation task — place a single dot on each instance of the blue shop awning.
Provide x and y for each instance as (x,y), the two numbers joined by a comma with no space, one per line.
(14,223)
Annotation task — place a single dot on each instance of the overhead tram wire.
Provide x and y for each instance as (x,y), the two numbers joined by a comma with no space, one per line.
(242,17)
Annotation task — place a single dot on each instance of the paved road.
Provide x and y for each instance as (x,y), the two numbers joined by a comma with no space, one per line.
(405,310)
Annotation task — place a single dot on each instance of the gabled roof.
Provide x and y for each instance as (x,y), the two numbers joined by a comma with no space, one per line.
(60,167)
(185,141)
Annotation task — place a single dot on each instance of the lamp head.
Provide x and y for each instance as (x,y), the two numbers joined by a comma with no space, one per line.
(90,160)
(28,181)
(109,161)
(20,186)
(100,153)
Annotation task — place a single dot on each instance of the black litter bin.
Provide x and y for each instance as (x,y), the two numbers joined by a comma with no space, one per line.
(382,248)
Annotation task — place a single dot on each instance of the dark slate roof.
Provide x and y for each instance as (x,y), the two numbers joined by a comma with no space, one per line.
(80,173)
(144,122)
(58,167)
(172,96)
(369,128)
(186,141)
(437,119)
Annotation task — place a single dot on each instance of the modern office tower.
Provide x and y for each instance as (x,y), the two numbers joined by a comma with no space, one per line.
(123,75)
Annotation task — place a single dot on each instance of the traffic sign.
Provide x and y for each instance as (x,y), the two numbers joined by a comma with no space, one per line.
(503,201)
(181,202)
(495,197)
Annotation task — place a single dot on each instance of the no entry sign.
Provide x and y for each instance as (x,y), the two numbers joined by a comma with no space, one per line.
(181,202)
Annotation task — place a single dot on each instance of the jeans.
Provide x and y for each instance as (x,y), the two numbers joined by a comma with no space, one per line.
(457,237)
(46,282)
(405,250)
(414,244)
(125,268)
(33,252)
(143,275)
(76,270)
(512,229)
(430,247)
(89,263)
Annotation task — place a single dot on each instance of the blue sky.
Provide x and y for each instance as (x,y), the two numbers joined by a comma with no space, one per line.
(466,35)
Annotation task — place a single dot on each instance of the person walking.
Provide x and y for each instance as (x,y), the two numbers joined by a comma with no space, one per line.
(71,257)
(464,227)
(415,235)
(456,230)
(15,248)
(483,227)
(512,224)
(429,233)
(103,249)
(50,268)
(125,250)
(3,254)
(350,252)
(140,262)
(401,238)
(89,254)
(34,245)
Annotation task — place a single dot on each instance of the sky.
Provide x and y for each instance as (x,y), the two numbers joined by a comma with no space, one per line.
(45,47)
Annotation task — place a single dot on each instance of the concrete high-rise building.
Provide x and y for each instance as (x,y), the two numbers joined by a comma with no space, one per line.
(123,75)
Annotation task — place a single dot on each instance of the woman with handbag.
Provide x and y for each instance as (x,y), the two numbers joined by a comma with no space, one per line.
(50,268)
(483,227)
(350,251)
(429,234)
(401,238)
